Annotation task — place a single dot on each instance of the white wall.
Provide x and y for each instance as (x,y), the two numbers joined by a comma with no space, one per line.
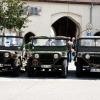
(40,25)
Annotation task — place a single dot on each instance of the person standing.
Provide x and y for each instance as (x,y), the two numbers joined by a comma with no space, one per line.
(71,49)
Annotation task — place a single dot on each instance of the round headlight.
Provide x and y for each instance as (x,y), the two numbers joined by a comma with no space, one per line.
(87,56)
(6,54)
(36,55)
(56,56)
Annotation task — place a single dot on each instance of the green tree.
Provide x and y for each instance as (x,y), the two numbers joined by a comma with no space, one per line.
(11,15)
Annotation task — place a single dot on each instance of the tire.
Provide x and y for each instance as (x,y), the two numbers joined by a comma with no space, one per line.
(79,69)
(65,69)
(16,71)
(29,72)
(17,67)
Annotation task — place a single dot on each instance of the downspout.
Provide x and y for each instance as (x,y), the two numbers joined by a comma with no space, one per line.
(91,13)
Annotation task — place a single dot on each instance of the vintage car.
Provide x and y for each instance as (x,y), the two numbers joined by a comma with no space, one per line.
(10,54)
(47,53)
(88,54)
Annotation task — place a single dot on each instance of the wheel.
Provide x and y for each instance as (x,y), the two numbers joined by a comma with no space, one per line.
(29,71)
(65,69)
(79,69)
(16,67)
(16,71)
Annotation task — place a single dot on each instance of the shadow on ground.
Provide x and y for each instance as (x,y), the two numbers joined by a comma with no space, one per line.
(50,75)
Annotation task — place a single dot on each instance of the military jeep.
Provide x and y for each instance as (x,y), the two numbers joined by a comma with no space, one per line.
(48,53)
(10,54)
(88,55)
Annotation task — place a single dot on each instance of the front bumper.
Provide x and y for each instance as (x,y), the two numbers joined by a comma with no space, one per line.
(6,67)
(47,66)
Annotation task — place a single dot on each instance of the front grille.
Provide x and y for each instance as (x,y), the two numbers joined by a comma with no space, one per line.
(46,58)
(95,60)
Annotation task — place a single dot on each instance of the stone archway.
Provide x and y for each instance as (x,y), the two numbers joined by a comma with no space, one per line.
(65,27)
(97,34)
(27,37)
(66,24)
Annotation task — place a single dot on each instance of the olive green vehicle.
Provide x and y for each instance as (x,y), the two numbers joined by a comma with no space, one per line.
(47,53)
(10,54)
(87,55)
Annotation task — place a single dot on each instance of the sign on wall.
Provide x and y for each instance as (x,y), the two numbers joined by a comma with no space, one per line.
(29,10)
(89,28)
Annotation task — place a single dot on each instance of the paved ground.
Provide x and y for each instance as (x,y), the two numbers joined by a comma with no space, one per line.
(50,88)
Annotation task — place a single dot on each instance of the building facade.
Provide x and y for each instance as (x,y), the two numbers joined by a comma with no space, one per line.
(73,18)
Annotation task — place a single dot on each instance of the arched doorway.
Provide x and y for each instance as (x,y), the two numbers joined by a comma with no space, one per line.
(97,34)
(27,37)
(65,27)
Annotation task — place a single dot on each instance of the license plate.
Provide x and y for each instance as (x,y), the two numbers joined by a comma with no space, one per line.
(7,64)
(45,66)
(95,70)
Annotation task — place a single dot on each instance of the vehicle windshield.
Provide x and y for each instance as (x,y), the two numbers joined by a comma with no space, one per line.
(49,42)
(11,41)
(89,42)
